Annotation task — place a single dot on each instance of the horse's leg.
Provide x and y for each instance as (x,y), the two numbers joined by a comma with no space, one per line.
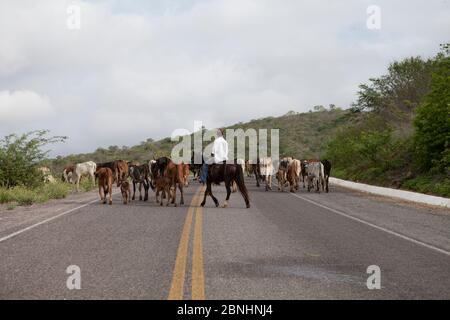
(228,187)
(140,190)
(208,187)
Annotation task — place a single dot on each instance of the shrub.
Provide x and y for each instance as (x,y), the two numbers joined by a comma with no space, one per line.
(20,157)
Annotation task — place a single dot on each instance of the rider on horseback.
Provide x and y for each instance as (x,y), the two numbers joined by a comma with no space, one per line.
(219,154)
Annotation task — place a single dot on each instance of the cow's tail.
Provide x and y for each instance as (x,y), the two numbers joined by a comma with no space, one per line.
(241,185)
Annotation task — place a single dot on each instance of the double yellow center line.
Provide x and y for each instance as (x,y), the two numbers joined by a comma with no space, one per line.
(179,272)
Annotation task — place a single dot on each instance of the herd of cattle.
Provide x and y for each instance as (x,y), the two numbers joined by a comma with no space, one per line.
(165,177)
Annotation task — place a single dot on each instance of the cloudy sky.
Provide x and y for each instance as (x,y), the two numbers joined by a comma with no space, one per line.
(140,69)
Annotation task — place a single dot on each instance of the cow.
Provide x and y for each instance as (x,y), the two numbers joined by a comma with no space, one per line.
(254,166)
(303,171)
(125,190)
(67,175)
(248,168)
(105,181)
(186,167)
(327,171)
(196,167)
(163,184)
(118,167)
(165,167)
(293,174)
(282,174)
(315,175)
(46,175)
(140,175)
(82,169)
(266,171)
(121,171)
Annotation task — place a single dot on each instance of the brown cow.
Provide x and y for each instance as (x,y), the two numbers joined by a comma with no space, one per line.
(163,184)
(165,167)
(293,174)
(67,173)
(282,173)
(125,188)
(121,171)
(105,181)
(185,174)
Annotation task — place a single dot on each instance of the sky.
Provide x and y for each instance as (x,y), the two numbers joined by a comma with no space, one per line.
(118,72)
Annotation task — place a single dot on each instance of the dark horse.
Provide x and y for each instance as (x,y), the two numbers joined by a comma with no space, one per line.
(233,173)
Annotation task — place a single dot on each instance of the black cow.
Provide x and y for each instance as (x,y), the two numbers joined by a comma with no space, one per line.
(140,174)
(327,171)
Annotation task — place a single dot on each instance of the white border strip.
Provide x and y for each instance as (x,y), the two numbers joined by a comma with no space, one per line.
(394,193)
(423,244)
(48,220)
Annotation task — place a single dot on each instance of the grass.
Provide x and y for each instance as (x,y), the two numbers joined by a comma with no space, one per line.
(23,196)
(430,185)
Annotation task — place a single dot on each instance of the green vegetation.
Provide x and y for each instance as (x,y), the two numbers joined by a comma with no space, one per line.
(20,157)
(400,130)
(21,183)
(21,195)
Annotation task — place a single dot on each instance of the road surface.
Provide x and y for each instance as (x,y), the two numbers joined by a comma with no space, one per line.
(286,246)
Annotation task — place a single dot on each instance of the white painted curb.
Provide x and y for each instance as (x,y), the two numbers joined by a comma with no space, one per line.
(394,193)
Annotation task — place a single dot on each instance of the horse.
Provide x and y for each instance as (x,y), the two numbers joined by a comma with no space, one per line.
(233,173)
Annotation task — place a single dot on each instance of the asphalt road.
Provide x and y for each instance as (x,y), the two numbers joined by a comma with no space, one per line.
(286,246)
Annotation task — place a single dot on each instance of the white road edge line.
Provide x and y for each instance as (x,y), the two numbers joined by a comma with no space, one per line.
(426,245)
(48,220)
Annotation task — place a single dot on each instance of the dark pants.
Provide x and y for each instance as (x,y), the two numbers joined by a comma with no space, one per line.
(204,172)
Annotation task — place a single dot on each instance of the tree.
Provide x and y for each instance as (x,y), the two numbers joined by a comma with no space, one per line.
(432,122)
(20,156)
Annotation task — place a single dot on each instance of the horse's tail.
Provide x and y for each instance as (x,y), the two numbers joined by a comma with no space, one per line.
(241,185)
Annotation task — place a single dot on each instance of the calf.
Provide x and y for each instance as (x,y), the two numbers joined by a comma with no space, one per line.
(164,185)
(125,189)
(105,181)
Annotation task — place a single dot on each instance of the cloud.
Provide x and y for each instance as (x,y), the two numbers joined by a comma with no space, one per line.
(23,106)
(140,69)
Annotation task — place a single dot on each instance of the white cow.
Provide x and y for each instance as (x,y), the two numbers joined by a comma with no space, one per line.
(315,176)
(47,175)
(267,171)
(84,169)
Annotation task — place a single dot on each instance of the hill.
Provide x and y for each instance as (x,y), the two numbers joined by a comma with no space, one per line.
(302,135)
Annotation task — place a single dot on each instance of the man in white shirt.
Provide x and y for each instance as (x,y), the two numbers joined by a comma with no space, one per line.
(219,152)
